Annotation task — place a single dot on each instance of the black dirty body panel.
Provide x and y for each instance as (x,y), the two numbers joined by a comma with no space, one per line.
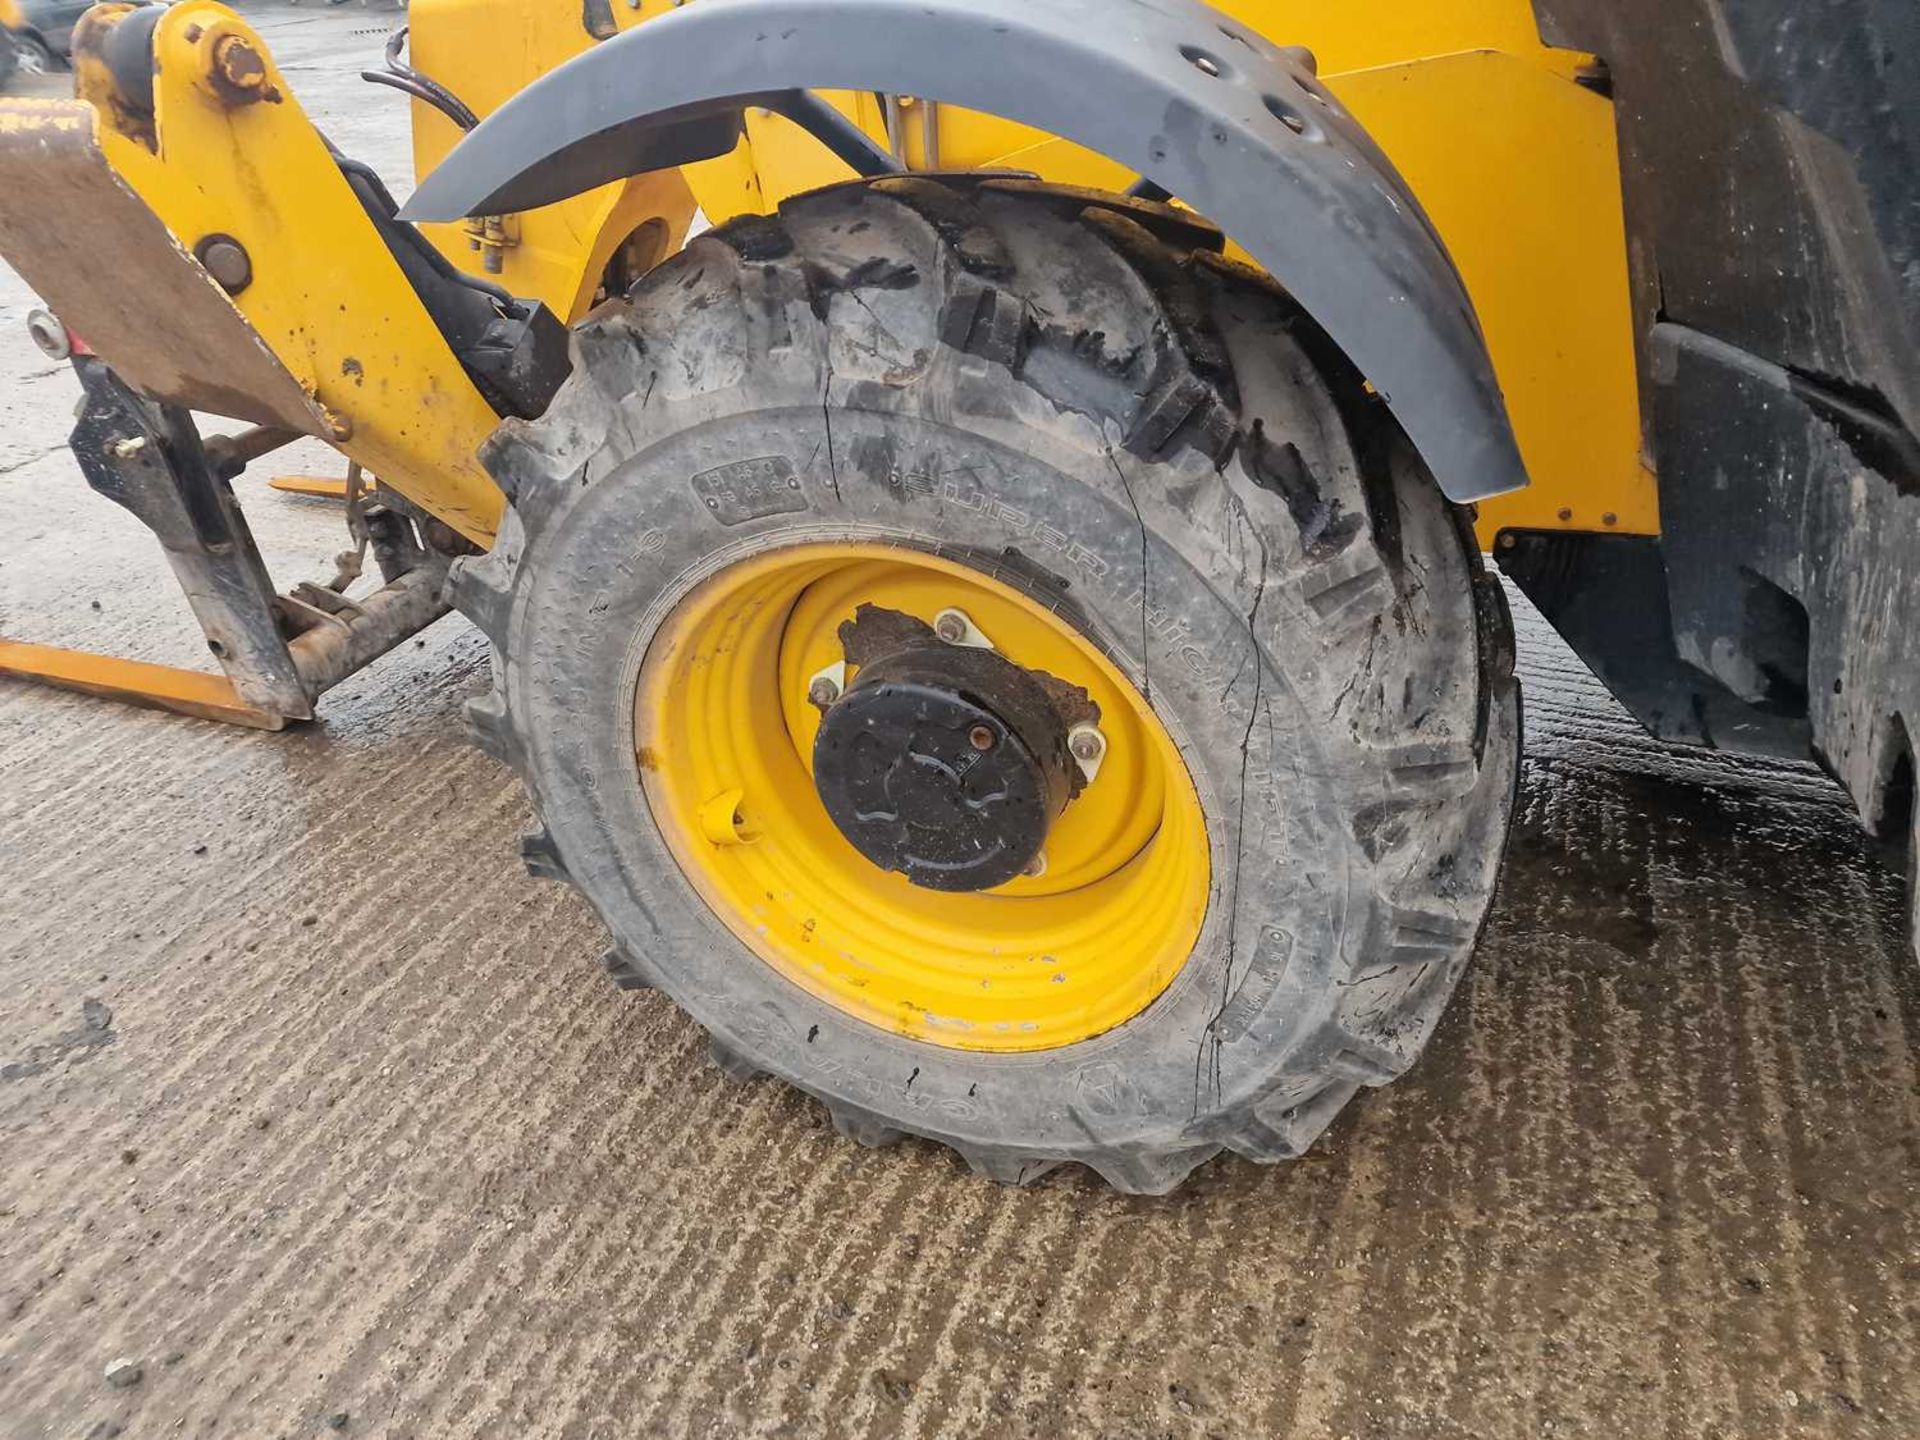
(1771,159)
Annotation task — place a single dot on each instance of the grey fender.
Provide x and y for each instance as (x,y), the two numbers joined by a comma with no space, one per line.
(1236,127)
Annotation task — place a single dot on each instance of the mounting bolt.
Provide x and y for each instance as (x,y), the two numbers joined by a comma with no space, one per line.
(826,686)
(980,737)
(1036,867)
(127,449)
(1088,746)
(226,259)
(48,334)
(956,627)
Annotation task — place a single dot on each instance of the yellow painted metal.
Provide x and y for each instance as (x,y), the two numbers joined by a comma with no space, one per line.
(486,51)
(12,16)
(1522,179)
(133,682)
(326,296)
(724,736)
(1346,35)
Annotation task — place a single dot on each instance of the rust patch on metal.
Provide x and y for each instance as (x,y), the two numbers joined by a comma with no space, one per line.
(239,73)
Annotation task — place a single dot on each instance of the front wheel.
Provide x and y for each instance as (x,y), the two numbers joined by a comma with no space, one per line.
(990,660)
(33,57)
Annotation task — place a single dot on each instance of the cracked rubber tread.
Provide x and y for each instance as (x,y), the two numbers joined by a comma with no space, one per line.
(1354,662)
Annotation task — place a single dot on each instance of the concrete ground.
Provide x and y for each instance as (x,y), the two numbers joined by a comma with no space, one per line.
(321,1111)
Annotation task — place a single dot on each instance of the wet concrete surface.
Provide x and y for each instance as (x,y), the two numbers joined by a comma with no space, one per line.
(315,1106)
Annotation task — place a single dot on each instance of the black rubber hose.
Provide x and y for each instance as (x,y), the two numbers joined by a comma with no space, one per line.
(405,78)
(833,130)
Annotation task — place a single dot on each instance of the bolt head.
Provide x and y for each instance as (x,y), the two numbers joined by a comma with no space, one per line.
(48,334)
(950,628)
(1087,744)
(980,737)
(227,261)
(822,692)
(1036,867)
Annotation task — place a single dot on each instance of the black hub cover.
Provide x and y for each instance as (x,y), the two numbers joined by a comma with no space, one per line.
(947,763)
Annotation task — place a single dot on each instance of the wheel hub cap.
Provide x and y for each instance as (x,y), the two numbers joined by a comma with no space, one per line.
(945,762)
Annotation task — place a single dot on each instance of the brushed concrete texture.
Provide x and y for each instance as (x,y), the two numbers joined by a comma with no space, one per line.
(319,1110)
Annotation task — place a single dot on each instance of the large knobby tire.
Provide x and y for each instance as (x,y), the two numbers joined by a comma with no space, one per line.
(1075,393)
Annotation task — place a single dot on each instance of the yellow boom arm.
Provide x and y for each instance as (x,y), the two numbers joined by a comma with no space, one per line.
(119,207)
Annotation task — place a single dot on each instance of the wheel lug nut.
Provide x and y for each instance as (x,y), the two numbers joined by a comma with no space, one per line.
(950,626)
(823,691)
(1037,866)
(1088,747)
(980,737)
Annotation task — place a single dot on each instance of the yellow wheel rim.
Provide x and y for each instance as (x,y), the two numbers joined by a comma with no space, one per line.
(724,737)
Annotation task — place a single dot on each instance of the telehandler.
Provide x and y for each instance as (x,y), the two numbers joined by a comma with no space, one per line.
(996,625)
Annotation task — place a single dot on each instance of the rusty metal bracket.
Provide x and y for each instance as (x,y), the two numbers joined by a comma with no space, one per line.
(279,652)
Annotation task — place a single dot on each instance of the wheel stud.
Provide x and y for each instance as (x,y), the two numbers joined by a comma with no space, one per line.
(956,627)
(1088,746)
(827,685)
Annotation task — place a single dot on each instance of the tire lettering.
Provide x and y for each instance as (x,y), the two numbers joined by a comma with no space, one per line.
(1270,956)
(750,490)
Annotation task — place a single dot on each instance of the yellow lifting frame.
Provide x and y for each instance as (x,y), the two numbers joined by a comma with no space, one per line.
(229,152)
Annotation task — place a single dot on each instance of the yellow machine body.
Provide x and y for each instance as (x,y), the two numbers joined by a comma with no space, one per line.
(559,253)
(1512,155)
